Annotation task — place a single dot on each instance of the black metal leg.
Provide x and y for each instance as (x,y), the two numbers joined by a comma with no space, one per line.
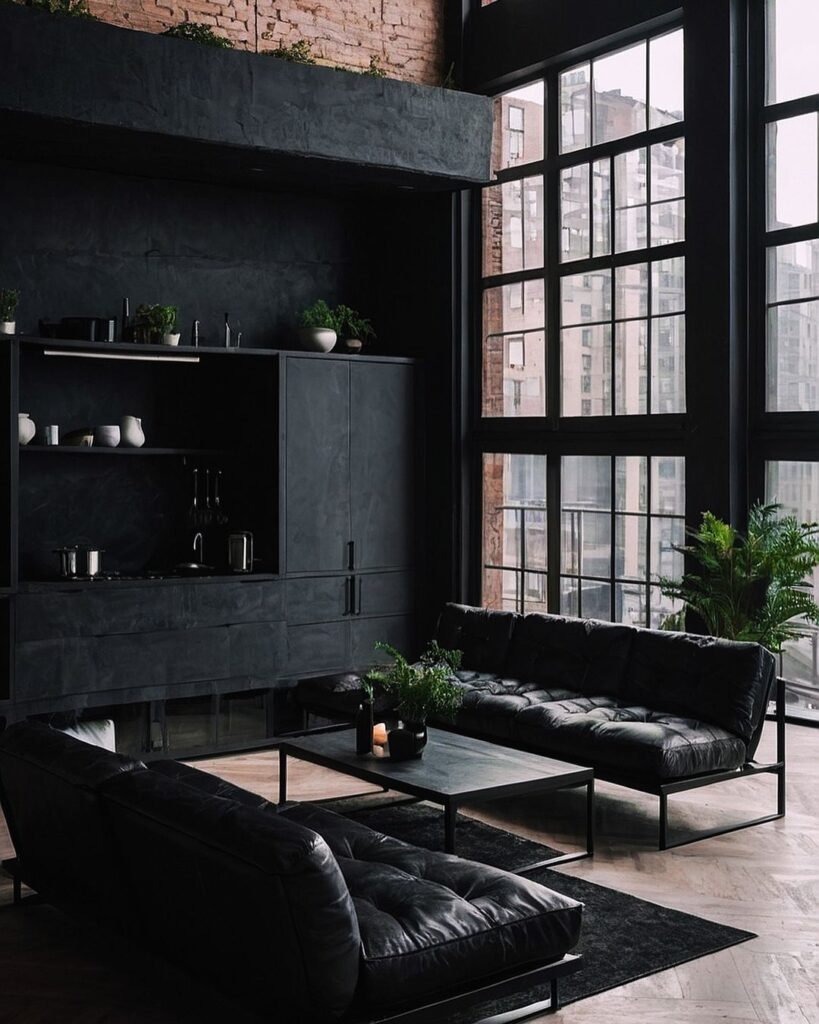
(554,996)
(590,817)
(663,820)
(450,813)
(282,776)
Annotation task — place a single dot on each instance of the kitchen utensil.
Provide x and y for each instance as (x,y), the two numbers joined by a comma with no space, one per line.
(107,436)
(227,330)
(207,512)
(68,561)
(240,552)
(193,515)
(51,434)
(89,561)
(219,514)
(195,334)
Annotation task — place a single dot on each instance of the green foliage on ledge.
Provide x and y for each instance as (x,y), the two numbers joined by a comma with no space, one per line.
(73,8)
(196,33)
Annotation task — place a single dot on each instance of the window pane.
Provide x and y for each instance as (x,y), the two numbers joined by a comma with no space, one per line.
(661,607)
(795,485)
(535,597)
(518,127)
(631,291)
(667,190)
(601,181)
(793,30)
(631,362)
(631,483)
(793,357)
(514,529)
(513,226)
(666,534)
(586,481)
(585,298)
(793,271)
(630,194)
(630,603)
(569,596)
(620,94)
(575,104)
(630,547)
(595,600)
(666,79)
(575,235)
(792,172)
(668,484)
(668,286)
(514,350)
(587,542)
(668,364)
(585,369)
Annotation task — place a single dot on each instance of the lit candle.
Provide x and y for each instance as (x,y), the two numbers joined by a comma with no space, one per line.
(380,734)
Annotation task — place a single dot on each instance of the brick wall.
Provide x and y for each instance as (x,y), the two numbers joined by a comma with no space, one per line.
(406,35)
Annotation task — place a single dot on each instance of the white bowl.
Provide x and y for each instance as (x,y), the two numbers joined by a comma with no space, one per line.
(317,339)
(107,436)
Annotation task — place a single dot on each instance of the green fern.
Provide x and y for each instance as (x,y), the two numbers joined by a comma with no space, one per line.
(423,689)
(755,587)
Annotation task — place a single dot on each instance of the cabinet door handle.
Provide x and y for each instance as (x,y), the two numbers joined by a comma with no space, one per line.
(358,606)
(349,583)
(351,554)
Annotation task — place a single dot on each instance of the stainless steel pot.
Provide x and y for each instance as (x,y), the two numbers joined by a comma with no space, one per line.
(89,561)
(68,561)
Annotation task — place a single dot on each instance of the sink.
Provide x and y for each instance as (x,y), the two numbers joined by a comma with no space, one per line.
(193,569)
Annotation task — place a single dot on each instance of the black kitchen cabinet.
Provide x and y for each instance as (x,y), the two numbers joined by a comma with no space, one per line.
(350,492)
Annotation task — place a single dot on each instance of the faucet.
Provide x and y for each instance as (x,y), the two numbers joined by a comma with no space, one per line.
(199,539)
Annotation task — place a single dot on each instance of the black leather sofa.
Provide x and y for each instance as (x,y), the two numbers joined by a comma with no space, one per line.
(303,915)
(657,711)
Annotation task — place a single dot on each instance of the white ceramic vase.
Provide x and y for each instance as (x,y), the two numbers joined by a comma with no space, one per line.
(26,427)
(317,339)
(131,432)
(7,326)
(170,338)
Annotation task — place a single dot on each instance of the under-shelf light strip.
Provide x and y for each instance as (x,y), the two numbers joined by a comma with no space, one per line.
(121,355)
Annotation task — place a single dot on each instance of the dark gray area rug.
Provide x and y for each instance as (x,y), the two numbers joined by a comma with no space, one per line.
(624,938)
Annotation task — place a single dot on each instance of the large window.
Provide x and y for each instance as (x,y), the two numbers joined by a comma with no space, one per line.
(583,312)
(787,407)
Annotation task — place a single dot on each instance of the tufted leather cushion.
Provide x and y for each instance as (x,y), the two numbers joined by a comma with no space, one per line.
(482,635)
(491,703)
(578,655)
(49,784)
(248,891)
(430,922)
(629,740)
(718,681)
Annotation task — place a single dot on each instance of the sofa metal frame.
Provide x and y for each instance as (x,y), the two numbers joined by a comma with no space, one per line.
(664,790)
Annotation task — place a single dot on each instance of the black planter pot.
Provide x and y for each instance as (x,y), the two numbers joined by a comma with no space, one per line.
(407,741)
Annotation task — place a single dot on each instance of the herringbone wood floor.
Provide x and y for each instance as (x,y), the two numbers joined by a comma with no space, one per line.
(763,879)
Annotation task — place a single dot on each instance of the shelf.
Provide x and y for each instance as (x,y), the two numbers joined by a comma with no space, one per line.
(47,586)
(68,449)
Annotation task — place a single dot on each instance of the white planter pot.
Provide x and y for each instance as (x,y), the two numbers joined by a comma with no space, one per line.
(170,338)
(131,432)
(317,339)
(7,326)
(107,436)
(26,428)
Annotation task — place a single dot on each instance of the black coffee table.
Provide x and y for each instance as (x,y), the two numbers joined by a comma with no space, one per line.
(454,770)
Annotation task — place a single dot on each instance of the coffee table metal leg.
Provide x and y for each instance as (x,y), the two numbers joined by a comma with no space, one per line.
(282,776)
(590,817)
(450,813)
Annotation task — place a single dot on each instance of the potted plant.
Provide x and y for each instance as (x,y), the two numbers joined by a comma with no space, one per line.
(318,328)
(755,587)
(156,324)
(9,297)
(355,330)
(420,690)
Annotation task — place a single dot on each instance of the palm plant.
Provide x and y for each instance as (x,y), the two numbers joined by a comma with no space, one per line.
(755,587)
